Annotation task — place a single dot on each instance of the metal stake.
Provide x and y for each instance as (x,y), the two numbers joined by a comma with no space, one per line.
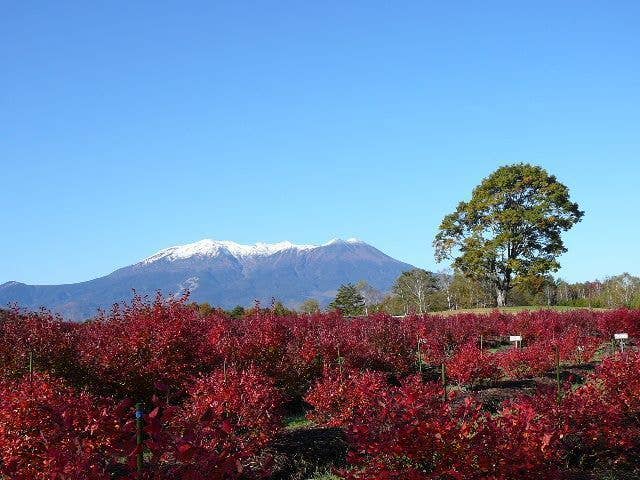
(139,426)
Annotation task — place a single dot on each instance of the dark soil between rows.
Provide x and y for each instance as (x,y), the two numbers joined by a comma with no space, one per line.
(300,453)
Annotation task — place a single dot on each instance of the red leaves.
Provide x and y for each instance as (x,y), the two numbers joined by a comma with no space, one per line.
(49,431)
(212,387)
(406,431)
(470,365)
(143,348)
(226,427)
(123,407)
(185,452)
(228,416)
(400,431)
(154,413)
(339,398)
(38,339)
(528,362)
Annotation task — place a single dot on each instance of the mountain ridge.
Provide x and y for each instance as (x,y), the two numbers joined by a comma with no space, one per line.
(222,273)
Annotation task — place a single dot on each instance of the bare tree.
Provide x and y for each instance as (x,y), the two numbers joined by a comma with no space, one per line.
(414,287)
(370,294)
(444,280)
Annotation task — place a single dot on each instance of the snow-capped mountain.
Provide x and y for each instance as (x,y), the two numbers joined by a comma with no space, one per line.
(223,273)
(212,248)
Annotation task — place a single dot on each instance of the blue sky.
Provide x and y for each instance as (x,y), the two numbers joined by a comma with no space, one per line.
(129,127)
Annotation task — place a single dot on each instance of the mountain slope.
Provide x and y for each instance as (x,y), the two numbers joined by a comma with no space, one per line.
(222,273)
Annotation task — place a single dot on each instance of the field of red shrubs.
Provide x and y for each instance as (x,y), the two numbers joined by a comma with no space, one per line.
(159,390)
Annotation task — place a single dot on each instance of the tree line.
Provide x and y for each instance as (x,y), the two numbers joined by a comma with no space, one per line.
(503,244)
(420,291)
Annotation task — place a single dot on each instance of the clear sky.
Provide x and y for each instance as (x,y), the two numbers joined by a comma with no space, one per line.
(127,127)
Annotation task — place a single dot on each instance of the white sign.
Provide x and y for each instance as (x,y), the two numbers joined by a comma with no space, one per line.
(621,336)
(515,338)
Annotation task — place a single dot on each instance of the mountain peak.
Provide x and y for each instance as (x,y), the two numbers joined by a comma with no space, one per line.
(212,248)
(224,274)
(339,240)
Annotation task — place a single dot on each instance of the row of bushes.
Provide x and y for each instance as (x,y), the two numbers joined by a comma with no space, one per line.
(213,389)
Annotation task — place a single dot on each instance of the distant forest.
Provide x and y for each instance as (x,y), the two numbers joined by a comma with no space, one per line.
(420,291)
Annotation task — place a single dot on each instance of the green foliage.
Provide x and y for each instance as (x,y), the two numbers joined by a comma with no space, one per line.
(297,421)
(204,309)
(348,300)
(237,312)
(466,292)
(511,227)
(326,476)
(279,309)
(393,305)
(445,290)
(310,306)
(617,291)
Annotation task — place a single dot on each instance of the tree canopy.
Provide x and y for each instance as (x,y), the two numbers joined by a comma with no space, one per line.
(310,306)
(511,228)
(348,300)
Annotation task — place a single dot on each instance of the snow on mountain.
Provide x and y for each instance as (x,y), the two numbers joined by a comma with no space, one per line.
(212,248)
(339,240)
(222,273)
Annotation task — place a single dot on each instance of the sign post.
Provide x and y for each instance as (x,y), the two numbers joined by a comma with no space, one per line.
(621,337)
(517,339)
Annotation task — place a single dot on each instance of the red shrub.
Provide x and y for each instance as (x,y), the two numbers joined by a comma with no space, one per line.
(229,416)
(338,398)
(212,387)
(470,365)
(41,339)
(48,431)
(525,438)
(602,416)
(527,362)
(130,352)
(409,432)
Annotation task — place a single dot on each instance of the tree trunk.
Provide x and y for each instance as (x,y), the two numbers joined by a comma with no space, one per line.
(501,297)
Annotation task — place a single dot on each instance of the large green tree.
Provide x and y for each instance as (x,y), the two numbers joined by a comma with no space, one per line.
(348,300)
(511,228)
